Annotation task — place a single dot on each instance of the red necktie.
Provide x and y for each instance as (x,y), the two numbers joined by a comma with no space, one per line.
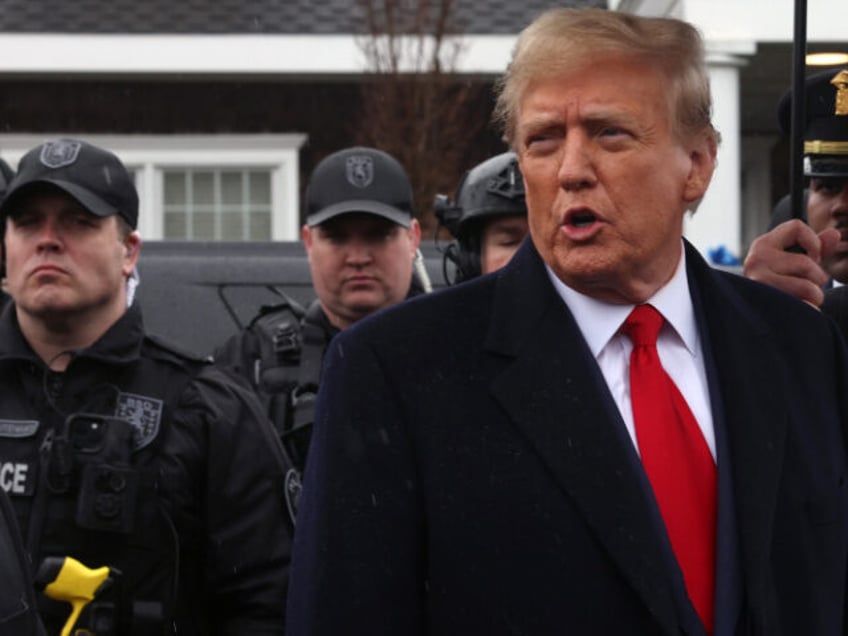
(676,459)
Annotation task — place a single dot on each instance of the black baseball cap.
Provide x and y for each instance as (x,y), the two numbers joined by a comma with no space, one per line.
(826,128)
(95,177)
(359,179)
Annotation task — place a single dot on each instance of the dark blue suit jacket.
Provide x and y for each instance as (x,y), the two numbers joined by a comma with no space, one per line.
(470,474)
(835,305)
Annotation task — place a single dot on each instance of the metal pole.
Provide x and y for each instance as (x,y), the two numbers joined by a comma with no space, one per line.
(799,102)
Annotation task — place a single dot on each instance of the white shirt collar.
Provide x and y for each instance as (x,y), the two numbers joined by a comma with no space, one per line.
(599,321)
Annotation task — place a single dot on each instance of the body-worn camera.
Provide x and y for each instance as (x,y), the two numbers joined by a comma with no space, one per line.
(108,485)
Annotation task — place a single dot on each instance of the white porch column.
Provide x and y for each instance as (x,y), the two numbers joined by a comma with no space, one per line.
(718,219)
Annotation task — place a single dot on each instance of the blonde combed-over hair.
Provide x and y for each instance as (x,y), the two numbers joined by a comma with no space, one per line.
(562,39)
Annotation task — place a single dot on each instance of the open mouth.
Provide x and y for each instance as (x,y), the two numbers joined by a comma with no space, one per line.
(581,218)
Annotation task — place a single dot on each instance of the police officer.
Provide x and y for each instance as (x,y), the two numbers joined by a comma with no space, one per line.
(116,448)
(825,240)
(361,241)
(488,219)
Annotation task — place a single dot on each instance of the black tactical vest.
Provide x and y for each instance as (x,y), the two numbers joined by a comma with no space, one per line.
(81,457)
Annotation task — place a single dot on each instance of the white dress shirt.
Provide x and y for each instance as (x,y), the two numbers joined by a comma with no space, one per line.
(678,344)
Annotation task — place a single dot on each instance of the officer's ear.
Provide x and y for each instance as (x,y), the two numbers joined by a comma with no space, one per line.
(306,236)
(132,247)
(415,235)
(132,244)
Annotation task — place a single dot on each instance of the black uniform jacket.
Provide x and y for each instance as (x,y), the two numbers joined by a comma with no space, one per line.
(18,613)
(191,513)
(470,474)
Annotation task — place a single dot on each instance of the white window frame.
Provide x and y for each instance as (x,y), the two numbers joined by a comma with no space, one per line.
(149,155)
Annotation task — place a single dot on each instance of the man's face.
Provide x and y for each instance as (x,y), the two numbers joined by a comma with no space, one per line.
(63,261)
(360,263)
(828,207)
(607,180)
(499,240)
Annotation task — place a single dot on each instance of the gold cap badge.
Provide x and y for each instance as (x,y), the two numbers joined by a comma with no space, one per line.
(840,80)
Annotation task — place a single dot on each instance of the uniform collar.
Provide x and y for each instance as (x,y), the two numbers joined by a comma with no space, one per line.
(121,343)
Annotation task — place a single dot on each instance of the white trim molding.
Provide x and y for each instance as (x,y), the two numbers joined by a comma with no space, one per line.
(220,55)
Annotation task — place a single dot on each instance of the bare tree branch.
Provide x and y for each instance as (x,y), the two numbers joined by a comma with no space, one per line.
(415,106)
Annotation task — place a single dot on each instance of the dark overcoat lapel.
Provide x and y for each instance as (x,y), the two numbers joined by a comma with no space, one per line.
(556,397)
(746,374)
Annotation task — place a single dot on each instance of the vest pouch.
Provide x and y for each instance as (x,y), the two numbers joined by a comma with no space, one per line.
(108,485)
(280,344)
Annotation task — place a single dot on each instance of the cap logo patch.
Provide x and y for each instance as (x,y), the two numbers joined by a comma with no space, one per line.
(840,80)
(55,154)
(360,170)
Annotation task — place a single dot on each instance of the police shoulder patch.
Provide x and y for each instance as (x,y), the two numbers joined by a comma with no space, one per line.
(293,488)
(144,414)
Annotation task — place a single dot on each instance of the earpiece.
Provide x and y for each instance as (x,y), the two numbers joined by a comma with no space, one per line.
(465,259)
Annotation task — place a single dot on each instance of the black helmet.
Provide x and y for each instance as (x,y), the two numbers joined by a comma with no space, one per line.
(490,189)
